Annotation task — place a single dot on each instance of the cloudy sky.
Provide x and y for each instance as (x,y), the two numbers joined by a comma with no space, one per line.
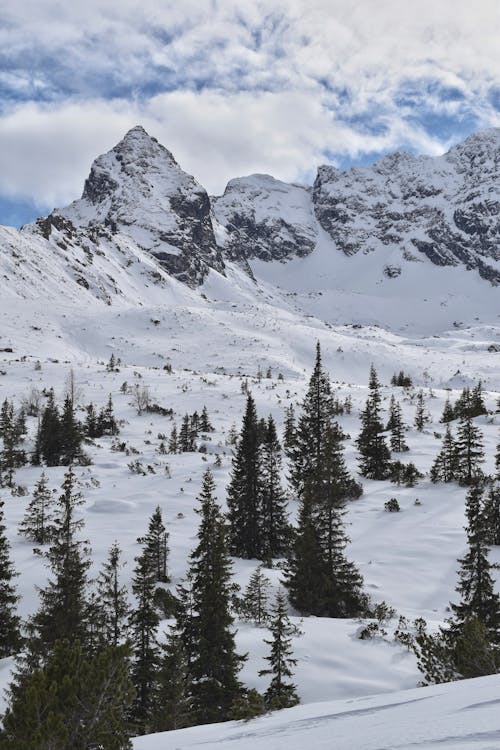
(233,87)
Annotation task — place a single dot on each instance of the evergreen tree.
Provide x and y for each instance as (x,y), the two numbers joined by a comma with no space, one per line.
(448,412)
(209,640)
(187,436)
(171,703)
(144,622)
(256,598)
(497,461)
(476,587)
(156,546)
(12,455)
(106,422)
(316,416)
(173,445)
(113,599)
(37,524)
(281,693)
(396,426)
(477,405)
(421,416)
(445,466)
(244,498)
(10,638)
(49,445)
(91,426)
(374,453)
(289,432)
(491,513)
(70,435)
(275,530)
(73,703)
(470,454)
(62,611)
(205,424)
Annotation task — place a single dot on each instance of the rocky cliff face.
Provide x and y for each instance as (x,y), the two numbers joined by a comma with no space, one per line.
(446,208)
(138,191)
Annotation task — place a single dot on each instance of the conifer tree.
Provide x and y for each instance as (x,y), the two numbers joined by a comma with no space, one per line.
(49,434)
(491,513)
(445,466)
(289,431)
(156,546)
(62,612)
(74,702)
(113,600)
(470,454)
(106,422)
(171,703)
(187,436)
(12,455)
(316,416)
(421,416)
(70,435)
(173,445)
(243,493)
(396,426)
(256,598)
(497,461)
(476,586)
(91,427)
(37,524)
(477,405)
(281,693)
(448,412)
(209,640)
(275,530)
(374,453)
(144,622)
(205,424)
(10,638)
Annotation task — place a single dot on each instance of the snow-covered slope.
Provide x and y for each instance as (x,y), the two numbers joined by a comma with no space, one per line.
(458,716)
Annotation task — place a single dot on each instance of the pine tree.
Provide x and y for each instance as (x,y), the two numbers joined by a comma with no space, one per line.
(91,426)
(476,586)
(275,530)
(73,703)
(374,453)
(396,426)
(205,424)
(256,598)
(209,641)
(173,445)
(70,435)
(62,611)
(491,513)
(171,703)
(445,466)
(106,422)
(187,436)
(156,546)
(37,524)
(477,405)
(281,693)
(470,454)
(448,412)
(421,416)
(243,492)
(12,455)
(49,434)
(316,416)
(113,599)
(289,432)
(10,638)
(144,622)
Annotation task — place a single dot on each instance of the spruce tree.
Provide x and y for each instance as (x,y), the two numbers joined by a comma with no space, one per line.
(275,530)
(491,513)
(205,425)
(396,426)
(113,600)
(445,466)
(62,611)
(255,603)
(448,414)
(477,405)
(173,444)
(12,455)
(470,453)
(144,622)
(476,586)
(244,500)
(49,445)
(281,693)
(10,638)
(37,524)
(289,431)
(187,435)
(374,453)
(316,416)
(70,435)
(156,546)
(497,461)
(74,702)
(106,421)
(421,416)
(209,640)
(91,425)
(172,706)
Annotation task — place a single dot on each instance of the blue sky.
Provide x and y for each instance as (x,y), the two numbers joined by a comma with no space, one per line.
(233,87)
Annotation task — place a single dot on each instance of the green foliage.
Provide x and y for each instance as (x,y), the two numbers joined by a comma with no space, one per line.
(392,505)
(156,546)
(37,524)
(281,693)
(10,638)
(374,454)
